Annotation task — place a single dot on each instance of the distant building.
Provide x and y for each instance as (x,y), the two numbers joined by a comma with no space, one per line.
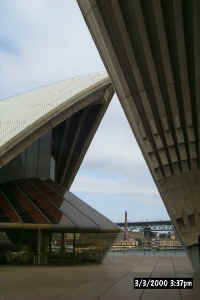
(133,239)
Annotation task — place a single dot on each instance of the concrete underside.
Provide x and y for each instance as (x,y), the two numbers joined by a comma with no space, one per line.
(110,280)
(151,50)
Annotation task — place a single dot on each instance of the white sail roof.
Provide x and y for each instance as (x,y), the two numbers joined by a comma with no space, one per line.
(22,115)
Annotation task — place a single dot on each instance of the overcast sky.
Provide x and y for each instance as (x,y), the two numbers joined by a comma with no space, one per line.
(44,41)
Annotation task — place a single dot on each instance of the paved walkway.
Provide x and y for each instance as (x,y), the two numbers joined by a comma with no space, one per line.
(109,281)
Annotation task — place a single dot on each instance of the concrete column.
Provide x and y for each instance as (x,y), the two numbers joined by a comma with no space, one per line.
(39,246)
(62,248)
(180,193)
(74,244)
(194,256)
(50,241)
(45,247)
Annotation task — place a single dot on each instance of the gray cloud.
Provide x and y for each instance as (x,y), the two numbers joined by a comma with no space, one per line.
(52,40)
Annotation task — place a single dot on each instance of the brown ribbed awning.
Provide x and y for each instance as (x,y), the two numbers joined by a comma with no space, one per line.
(33,203)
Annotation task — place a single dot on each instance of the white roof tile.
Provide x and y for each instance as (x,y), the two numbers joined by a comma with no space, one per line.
(21,114)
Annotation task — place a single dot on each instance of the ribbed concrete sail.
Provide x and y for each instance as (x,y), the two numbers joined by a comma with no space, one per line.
(56,123)
(151,50)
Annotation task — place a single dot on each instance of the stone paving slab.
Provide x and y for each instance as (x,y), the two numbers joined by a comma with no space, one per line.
(111,280)
(160,296)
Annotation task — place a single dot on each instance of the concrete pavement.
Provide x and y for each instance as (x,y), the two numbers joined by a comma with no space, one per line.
(111,280)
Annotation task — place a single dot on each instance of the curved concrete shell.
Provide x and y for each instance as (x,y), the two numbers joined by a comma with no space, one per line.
(48,130)
(151,50)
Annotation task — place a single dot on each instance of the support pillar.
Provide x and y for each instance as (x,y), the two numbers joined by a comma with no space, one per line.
(39,246)
(74,244)
(62,244)
(50,241)
(45,247)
